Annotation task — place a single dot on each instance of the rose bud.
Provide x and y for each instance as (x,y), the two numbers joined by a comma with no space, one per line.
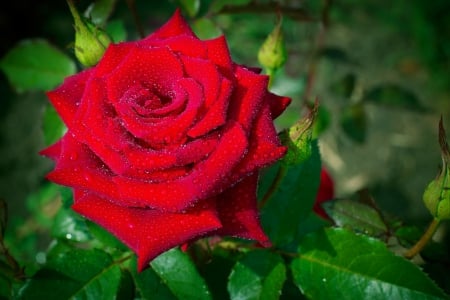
(166,139)
(272,54)
(325,193)
(90,41)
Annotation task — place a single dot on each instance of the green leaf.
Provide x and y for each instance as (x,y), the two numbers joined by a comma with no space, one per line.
(177,271)
(356,216)
(191,7)
(322,121)
(338,264)
(100,10)
(394,96)
(75,274)
(69,225)
(258,275)
(116,30)
(149,285)
(292,202)
(344,87)
(104,237)
(354,122)
(36,65)
(204,28)
(52,125)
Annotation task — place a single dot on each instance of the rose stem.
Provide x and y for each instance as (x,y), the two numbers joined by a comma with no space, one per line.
(423,240)
(137,21)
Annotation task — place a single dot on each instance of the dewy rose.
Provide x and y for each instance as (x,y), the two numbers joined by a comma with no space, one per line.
(166,137)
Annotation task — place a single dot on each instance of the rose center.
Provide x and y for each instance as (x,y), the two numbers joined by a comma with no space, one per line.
(144,100)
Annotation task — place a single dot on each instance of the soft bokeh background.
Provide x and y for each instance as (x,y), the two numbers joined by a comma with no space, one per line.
(367,44)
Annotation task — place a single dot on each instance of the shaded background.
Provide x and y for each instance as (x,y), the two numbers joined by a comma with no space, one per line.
(368,44)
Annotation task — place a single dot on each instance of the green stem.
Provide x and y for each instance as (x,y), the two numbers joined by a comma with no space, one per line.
(275,184)
(137,21)
(426,237)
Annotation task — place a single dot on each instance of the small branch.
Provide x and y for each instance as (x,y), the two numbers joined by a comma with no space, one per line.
(275,184)
(298,14)
(137,21)
(426,237)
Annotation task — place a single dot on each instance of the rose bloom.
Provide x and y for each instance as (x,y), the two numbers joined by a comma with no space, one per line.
(166,137)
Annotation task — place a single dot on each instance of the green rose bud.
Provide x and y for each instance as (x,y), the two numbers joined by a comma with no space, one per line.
(437,194)
(272,54)
(298,139)
(90,41)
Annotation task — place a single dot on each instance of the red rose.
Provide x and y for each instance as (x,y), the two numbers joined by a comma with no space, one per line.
(325,193)
(166,137)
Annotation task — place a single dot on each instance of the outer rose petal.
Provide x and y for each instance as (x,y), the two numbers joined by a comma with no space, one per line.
(175,26)
(277,104)
(219,54)
(66,97)
(238,212)
(148,232)
(248,96)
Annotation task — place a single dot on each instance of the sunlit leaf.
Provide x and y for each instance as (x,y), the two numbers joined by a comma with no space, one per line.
(36,65)
(338,264)
(354,122)
(258,275)
(394,96)
(177,271)
(356,216)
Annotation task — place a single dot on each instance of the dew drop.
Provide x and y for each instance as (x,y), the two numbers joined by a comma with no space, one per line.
(324,280)
(73,156)
(69,236)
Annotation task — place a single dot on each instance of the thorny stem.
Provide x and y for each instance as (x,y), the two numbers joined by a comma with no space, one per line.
(423,240)
(275,184)
(137,21)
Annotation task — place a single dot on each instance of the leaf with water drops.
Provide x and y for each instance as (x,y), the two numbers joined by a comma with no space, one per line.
(177,271)
(75,274)
(258,275)
(337,264)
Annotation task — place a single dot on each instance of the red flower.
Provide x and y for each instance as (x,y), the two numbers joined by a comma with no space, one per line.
(166,137)
(325,193)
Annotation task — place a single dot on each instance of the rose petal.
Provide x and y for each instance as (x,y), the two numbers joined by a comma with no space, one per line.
(53,151)
(175,26)
(79,167)
(169,130)
(112,57)
(247,97)
(157,69)
(66,98)
(184,44)
(277,104)
(237,208)
(219,54)
(147,232)
(205,180)
(265,147)
(216,114)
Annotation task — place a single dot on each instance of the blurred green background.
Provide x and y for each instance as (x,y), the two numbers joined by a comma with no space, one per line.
(381,73)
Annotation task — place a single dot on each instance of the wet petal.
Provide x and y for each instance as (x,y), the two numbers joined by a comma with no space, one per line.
(177,25)
(147,232)
(66,98)
(219,54)
(277,104)
(205,180)
(248,96)
(237,208)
